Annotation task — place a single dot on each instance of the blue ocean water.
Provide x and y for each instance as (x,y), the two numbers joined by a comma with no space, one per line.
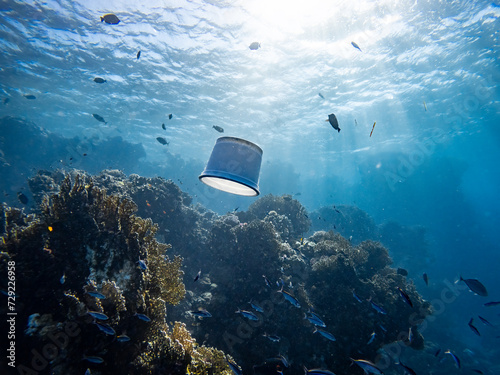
(426,72)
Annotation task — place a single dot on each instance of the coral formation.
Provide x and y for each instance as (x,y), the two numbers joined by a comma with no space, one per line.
(88,252)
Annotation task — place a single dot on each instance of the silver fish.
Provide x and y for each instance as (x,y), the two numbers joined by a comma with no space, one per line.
(325,334)
(290,298)
(247,314)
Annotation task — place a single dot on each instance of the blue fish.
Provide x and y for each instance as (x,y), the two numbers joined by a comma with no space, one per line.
(98,315)
(405,296)
(96,295)
(315,319)
(201,313)
(142,264)
(93,359)
(290,298)
(143,317)
(356,297)
(268,283)
(367,366)
(317,371)
(256,307)
(455,358)
(234,368)
(485,321)
(355,45)
(372,337)
(106,329)
(473,328)
(88,372)
(325,334)
(247,314)
(122,338)
(273,338)
(378,308)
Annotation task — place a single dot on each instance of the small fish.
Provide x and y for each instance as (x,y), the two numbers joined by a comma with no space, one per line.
(268,283)
(110,18)
(143,317)
(410,335)
(493,303)
(475,286)
(373,127)
(197,276)
(382,328)
(256,307)
(93,359)
(355,45)
(325,334)
(170,116)
(290,298)
(321,96)
(162,140)
(96,295)
(218,128)
(426,279)
(425,106)
(355,122)
(142,265)
(122,338)
(247,314)
(378,308)
(88,372)
(437,352)
(163,126)
(98,315)
(367,366)
(407,369)
(201,313)
(455,358)
(106,329)
(317,371)
(485,321)
(477,371)
(372,337)
(22,198)
(99,80)
(356,297)
(405,296)
(62,280)
(138,55)
(234,368)
(254,46)
(473,328)
(30,97)
(315,319)
(332,119)
(273,338)
(99,118)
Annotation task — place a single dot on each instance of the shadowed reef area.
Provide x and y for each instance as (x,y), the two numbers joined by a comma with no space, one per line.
(130,247)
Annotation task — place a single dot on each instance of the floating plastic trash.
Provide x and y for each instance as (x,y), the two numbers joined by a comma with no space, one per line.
(234,167)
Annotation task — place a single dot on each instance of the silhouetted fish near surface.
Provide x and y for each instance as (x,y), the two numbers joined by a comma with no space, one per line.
(99,80)
(355,45)
(426,278)
(170,116)
(29,96)
(493,303)
(321,96)
(476,286)
(110,18)
(22,198)
(138,55)
(162,140)
(332,119)
(254,46)
(218,128)
(163,127)
(473,328)
(99,118)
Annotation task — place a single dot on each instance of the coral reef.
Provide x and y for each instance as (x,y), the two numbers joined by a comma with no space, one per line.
(99,273)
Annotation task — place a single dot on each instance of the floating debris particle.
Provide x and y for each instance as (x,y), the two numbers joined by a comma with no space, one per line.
(373,127)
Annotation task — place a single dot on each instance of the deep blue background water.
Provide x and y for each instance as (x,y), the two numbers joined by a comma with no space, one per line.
(435,167)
